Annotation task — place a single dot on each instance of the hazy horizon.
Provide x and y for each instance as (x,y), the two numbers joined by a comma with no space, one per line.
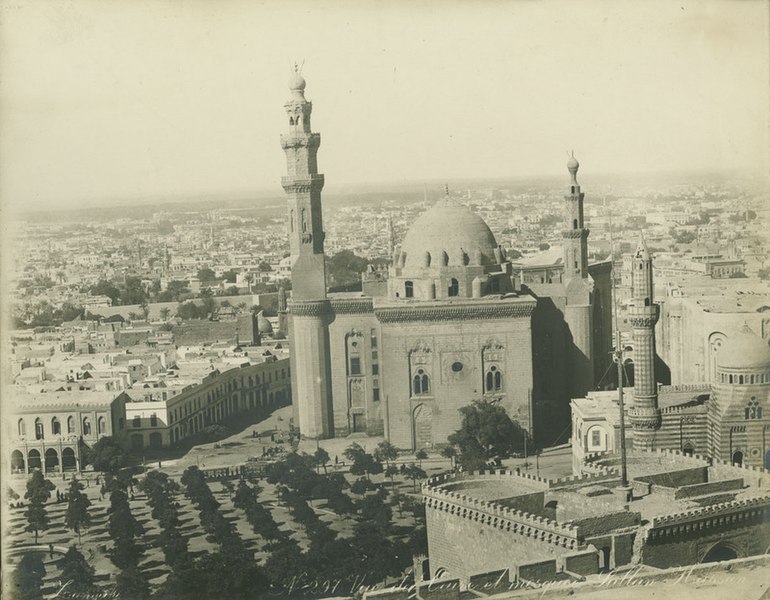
(104,103)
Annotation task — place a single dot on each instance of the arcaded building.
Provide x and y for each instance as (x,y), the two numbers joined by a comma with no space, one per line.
(450,323)
(725,418)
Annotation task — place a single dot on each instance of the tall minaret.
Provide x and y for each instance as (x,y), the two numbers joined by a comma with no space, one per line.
(303,185)
(574,234)
(578,310)
(643,314)
(309,309)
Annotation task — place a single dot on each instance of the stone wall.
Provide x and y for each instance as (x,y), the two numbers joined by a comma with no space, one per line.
(537,572)
(582,563)
(712,487)
(464,546)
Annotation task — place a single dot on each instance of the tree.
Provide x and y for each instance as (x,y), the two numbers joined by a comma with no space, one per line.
(264,267)
(230,276)
(189,310)
(449,452)
(130,583)
(764,274)
(738,275)
(38,492)
(345,268)
(390,472)
(206,274)
(321,457)
(76,573)
(414,473)
(421,455)
(164,313)
(544,246)
(77,508)
(28,577)
(486,433)
(228,487)
(107,455)
(385,451)
(12,495)
(105,288)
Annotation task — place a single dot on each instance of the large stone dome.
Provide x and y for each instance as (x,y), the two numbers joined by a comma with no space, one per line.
(744,350)
(448,234)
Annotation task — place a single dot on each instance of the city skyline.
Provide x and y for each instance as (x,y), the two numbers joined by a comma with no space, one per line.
(149,101)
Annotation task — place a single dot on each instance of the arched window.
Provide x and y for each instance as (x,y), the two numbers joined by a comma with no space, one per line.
(304,221)
(753,410)
(730,378)
(86,426)
(38,429)
(101,425)
(428,259)
(291,220)
(444,259)
(454,287)
(751,378)
(408,289)
(740,378)
(574,223)
(493,380)
(22,428)
(420,383)
(70,424)
(291,120)
(55,426)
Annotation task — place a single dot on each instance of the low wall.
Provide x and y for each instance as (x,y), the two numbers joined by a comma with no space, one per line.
(537,572)
(582,563)
(443,589)
(712,487)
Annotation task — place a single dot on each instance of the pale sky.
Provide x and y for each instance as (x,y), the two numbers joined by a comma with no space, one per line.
(109,100)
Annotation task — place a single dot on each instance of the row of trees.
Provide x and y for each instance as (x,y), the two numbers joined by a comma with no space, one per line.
(231,571)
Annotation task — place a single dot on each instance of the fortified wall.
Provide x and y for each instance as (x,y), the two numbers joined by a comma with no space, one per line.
(682,510)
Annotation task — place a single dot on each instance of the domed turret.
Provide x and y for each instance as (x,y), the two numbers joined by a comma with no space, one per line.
(572,166)
(263,325)
(744,350)
(296,81)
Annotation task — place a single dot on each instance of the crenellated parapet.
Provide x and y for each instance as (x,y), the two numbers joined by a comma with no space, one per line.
(732,514)
(494,514)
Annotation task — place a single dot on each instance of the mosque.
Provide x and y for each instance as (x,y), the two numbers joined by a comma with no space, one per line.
(453,324)
(724,419)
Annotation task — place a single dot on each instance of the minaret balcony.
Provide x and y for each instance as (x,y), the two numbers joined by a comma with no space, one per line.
(293,185)
(574,234)
(300,140)
(640,315)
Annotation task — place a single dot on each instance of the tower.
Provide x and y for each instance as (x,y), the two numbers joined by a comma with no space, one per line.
(578,310)
(574,234)
(643,314)
(303,186)
(309,310)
